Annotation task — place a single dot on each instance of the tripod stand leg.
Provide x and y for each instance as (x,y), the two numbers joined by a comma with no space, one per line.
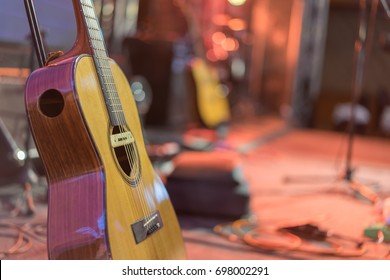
(364,191)
(29,199)
(24,205)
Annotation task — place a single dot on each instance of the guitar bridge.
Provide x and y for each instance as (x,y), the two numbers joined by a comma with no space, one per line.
(146,226)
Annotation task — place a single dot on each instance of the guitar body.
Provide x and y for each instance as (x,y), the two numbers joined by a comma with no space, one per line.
(96,210)
(212,104)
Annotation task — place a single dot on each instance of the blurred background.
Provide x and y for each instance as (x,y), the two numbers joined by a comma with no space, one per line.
(289,58)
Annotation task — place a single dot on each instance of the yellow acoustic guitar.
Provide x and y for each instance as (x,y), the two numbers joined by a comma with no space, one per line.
(211,99)
(105,200)
(212,102)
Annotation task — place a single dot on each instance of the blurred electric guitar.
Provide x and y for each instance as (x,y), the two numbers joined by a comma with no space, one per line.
(212,102)
(105,200)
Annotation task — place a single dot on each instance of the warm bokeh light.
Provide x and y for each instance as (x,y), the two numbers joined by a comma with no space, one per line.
(236,24)
(211,55)
(221,19)
(217,53)
(218,37)
(230,44)
(237,2)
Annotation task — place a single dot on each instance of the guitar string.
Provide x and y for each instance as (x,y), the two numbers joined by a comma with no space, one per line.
(92,16)
(140,182)
(130,154)
(147,198)
(144,204)
(130,149)
(133,158)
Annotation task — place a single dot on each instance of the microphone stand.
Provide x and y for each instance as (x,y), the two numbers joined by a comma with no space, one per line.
(360,55)
(357,85)
(361,46)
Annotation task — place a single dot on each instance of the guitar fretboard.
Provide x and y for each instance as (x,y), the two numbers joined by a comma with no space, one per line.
(102,65)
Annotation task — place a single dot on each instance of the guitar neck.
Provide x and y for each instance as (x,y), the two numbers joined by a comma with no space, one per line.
(194,28)
(89,31)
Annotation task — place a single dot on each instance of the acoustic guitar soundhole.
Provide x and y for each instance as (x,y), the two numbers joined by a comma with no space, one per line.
(126,154)
(51,103)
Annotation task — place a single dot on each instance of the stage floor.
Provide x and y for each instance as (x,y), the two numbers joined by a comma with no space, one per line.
(293,178)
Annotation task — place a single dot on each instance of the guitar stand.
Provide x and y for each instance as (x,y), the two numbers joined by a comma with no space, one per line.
(360,54)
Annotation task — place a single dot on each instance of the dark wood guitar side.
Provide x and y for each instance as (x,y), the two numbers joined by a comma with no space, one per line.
(74,171)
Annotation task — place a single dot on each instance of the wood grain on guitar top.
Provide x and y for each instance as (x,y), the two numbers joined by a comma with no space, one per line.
(125,204)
